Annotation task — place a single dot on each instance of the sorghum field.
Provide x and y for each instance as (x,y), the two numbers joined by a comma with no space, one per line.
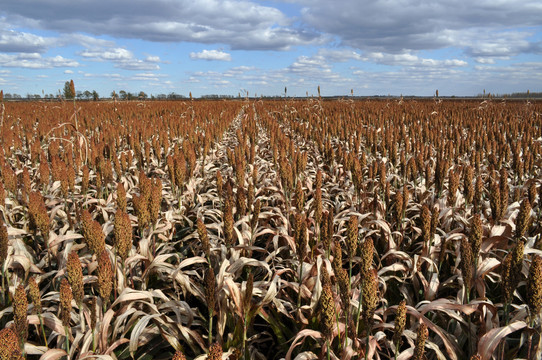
(269,229)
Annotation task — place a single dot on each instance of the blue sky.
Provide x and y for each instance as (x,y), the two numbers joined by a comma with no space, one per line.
(377,47)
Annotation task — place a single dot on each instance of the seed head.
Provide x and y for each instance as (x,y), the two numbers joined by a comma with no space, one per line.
(155,200)
(352,236)
(210,289)
(369,296)
(476,233)
(20,309)
(466,263)
(121,197)
(34,293)
(255,214)
(495,201)
(179,355)
(92,307)
(426,224)
(534,286)
(367,253)
(326,306)
(2,194)
(400,321)
(142,211)
(398,207)
(105,276)
(85,179)
(344,285)
(523,219)
(421,338)
(204,238)
(248,292)
(215,352)
(9,345)
(75,276)
(65,302)
(228,223)
(299,197)
(4,241)
(241,202)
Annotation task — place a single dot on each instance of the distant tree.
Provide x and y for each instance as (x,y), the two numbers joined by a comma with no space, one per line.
(95,95)
(67,92)
(87,94)
(123,94)
(79,94)
(113,94)
(142,95)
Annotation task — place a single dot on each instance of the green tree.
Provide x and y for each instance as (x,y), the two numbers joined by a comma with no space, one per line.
(95,95)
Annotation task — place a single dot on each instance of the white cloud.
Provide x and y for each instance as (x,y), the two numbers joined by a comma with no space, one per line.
(12,41)
(35,61)
(242,24)
(68,72)
(122,58)
(210,55)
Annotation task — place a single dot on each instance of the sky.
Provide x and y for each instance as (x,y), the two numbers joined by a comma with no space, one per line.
(364,47)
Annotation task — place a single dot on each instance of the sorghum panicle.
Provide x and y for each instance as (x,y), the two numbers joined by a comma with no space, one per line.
(65,301)
(75,276)
(204,238)
(20,309)
(105,276)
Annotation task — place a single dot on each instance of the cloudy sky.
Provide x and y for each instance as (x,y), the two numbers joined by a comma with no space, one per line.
(381,47)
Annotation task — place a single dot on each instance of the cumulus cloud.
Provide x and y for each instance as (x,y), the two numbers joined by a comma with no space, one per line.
(396,26)
(122,58)
(242,24)
(210,55)
(35,61)
(12,41)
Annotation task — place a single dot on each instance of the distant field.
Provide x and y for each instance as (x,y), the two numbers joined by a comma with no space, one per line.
(269,229)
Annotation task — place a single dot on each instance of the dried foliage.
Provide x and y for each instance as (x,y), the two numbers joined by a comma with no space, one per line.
(270,229)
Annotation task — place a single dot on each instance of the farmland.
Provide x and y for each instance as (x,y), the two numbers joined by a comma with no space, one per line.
(268,229)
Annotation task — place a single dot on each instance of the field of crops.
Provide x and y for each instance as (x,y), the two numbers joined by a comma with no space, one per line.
(269,229)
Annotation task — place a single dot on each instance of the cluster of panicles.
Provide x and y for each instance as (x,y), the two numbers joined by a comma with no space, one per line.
(122,228)
(92,233)
(75,276)
(39,219)
(10,179)
(66,297)
(9,345)
(105,276)
(147,203)
(426,224)
(247,298)
(367,253)
(241,202)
